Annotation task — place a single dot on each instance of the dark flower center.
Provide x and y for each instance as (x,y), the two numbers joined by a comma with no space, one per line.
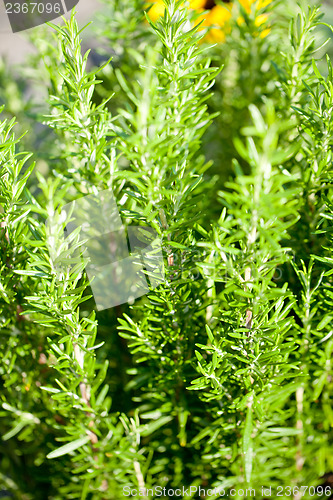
(209,4)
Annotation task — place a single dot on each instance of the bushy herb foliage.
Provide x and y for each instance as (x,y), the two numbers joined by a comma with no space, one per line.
(221,376)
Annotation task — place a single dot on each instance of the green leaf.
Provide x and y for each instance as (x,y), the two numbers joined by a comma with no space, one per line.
(69,447)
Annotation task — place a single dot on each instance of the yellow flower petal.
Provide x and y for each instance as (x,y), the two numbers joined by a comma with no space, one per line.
(156,11)
(261,19)
(240,20)
(197,4)
(264,33)
(215,36)
(260,4)
(246,4)
(263,3)
(219,15)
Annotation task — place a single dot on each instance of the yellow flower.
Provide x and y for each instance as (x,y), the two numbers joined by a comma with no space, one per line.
(156,11)
(197,4)
(218,16)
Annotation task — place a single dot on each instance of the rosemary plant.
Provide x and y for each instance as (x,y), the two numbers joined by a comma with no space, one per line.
(218,380)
